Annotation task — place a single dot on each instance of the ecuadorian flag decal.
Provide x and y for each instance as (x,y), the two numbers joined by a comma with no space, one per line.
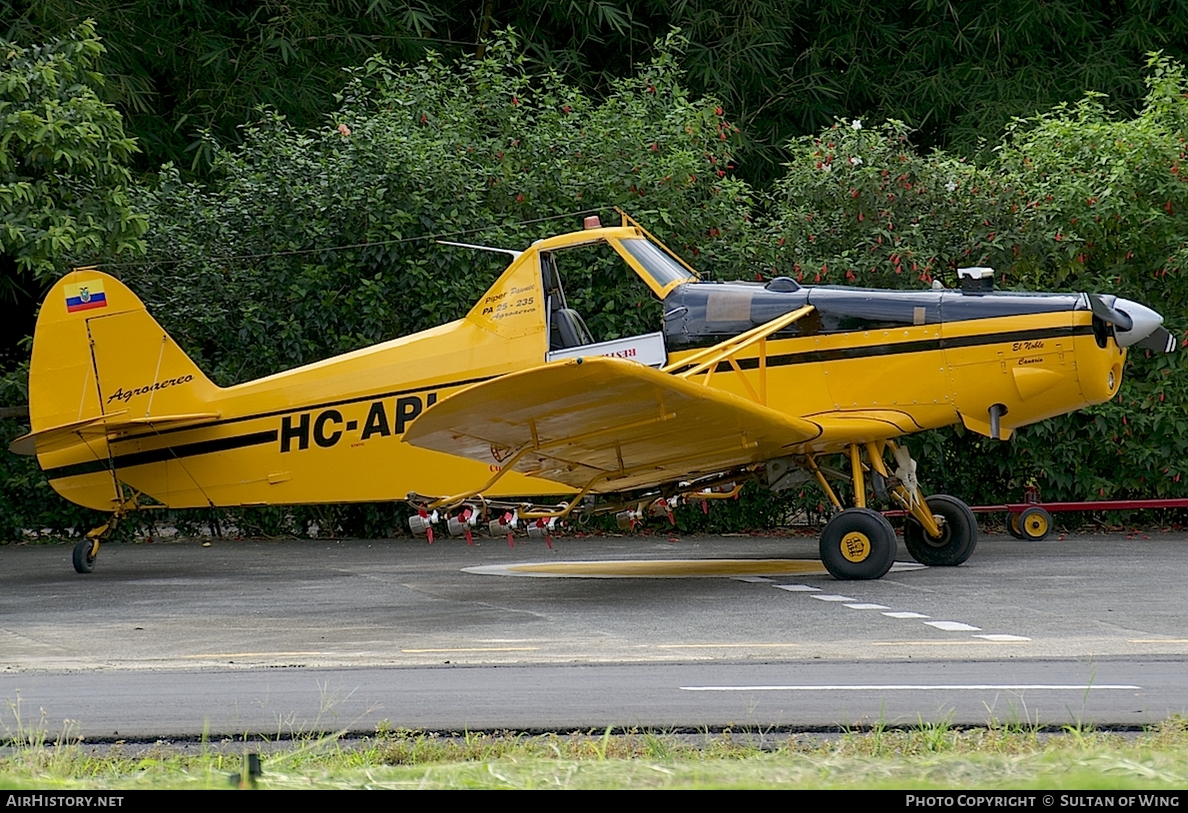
(85,296)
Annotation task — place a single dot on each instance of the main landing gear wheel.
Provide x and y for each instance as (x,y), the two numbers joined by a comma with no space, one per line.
(85,552)
(959,533)
(858,543)
(1034,523)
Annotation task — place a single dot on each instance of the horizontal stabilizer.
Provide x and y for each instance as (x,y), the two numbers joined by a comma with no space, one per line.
(606,421)
(103,426)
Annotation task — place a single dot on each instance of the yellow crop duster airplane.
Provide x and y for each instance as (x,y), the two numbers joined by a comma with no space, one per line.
(481,418)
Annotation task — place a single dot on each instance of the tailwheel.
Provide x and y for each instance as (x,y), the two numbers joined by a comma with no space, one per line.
(85,552)
(1034,523)
(858,543)
(958,533)
(87,549)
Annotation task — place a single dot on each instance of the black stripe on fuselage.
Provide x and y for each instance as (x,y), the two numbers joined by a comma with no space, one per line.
(226,444)
(899,348)
(356,399)
(125,461)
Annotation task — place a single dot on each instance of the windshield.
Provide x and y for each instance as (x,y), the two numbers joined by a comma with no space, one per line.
(664,270)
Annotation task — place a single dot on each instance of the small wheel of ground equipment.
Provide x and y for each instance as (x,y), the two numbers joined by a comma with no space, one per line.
(959,533)
(858,543)
(85,552)
(1012,526)
(1034,523)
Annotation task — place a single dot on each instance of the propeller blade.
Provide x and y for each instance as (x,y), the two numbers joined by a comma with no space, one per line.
(1108,314)
(1161,340)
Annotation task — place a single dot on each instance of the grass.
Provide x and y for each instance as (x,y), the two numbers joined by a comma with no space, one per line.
(925,756)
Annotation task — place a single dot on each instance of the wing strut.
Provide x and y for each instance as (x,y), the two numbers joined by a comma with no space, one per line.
(707,360)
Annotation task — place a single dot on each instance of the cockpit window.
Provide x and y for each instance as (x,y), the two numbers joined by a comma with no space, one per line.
(663,269)
(602,289)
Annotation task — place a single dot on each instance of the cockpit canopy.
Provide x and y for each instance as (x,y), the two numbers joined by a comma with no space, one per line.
(702,314)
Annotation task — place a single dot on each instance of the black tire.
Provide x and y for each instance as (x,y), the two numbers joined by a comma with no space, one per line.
(959,533)
(1012,526)
(1034,524)
(84,556)
(857,544)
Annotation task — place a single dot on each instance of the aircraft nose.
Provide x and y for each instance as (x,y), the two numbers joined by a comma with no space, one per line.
(1144,323)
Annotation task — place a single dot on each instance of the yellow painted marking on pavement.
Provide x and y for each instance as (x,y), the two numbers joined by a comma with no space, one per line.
(720,646)
(674,567)
(1157,641)
(477,649)
(249,654)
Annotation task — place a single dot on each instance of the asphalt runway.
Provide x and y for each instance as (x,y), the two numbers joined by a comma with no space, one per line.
(264,637)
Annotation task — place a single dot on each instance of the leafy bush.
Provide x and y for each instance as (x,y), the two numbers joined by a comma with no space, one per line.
(307,243)
(63,161)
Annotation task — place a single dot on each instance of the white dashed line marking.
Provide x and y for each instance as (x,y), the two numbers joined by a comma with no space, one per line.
(857,604)
(976,687)
(952,626)
(752,579)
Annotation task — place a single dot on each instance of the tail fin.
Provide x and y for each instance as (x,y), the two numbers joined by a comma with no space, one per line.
(102,366)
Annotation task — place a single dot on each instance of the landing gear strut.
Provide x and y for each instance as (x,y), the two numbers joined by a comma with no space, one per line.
(87,549)
(859,543)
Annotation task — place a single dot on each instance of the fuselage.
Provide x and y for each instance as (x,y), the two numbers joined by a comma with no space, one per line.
(865,365)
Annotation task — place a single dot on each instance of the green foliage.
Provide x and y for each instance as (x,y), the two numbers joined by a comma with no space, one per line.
(63,199)
(1105,209)
(63,161)
(181,68)
(1076,199)
(956,71)
(303,243)
(859,205)
(308,243)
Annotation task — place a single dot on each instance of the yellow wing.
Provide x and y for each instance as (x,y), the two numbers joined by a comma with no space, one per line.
(623,423)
